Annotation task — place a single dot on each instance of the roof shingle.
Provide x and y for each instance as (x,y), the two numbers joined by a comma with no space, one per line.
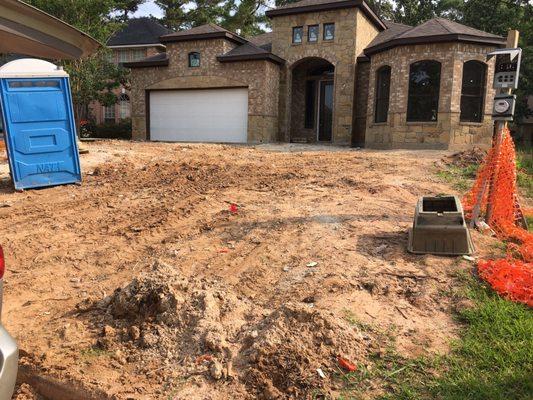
(139,31)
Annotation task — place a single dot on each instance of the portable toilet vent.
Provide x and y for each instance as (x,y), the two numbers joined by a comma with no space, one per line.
(39,128)
(439,227)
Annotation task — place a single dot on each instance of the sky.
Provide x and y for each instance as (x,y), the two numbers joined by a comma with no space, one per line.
(149,8)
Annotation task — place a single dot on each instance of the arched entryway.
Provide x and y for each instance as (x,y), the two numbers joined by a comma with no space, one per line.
(311,100)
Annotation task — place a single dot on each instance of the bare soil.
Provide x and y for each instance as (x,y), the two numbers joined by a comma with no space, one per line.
(146,283)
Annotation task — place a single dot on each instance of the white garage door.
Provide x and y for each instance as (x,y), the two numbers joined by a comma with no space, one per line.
(210,115)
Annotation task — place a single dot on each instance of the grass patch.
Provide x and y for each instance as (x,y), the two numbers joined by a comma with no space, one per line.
(492,360)
(524,166)
(460,178)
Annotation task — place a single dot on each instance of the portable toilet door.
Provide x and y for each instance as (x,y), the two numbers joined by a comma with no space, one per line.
(39,128)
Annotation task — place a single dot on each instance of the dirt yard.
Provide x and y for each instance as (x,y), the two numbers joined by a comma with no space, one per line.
(146,283)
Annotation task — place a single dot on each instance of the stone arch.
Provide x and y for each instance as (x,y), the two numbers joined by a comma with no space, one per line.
(310,99)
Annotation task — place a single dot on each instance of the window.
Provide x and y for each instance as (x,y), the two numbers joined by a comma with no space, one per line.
(329,31)
(312,33)
(124,106)
(124,56)
(138,54)
(194,59)
(297,34)
(382,94)
(310,101)
(109,113)
(473,91)
(424,86)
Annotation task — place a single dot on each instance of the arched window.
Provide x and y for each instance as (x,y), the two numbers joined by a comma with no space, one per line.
(382,94)
(124,106)
(194,59)
(424,86)
(473,91)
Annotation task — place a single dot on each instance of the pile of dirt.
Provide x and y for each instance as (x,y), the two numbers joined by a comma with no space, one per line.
(466,158)
(295,350)
(197,327)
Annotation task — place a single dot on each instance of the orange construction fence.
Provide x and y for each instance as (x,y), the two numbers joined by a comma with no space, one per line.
(494,196)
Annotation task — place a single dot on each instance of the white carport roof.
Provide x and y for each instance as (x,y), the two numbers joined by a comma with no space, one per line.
(27,30)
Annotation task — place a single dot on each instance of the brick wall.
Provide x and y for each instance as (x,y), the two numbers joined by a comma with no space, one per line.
(448,132)
(261,77)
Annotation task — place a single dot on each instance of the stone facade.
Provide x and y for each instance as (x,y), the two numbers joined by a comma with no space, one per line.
(261,77)
(448,132)
(353,32)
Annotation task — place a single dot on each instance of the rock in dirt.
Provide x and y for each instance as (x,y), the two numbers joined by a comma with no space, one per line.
(216,370)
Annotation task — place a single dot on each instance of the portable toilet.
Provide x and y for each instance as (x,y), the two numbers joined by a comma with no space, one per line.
(39,128)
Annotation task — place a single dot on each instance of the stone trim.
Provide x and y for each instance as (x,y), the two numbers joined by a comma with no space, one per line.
(433,39)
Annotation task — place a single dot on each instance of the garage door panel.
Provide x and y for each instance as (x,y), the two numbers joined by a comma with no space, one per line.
(217,115)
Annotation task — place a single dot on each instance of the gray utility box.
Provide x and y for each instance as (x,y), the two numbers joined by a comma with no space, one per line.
(439,228)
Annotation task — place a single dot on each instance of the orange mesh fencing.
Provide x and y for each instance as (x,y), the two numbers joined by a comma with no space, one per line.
(494,196)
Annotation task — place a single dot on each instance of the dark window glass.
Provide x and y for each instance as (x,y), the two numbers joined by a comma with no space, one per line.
(424,86)
(382,94)
(194,59)
(312,33)
(329,31)
(473,91)
(297,34)
(310,101)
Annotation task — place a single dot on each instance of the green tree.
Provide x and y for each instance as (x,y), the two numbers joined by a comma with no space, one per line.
(126,7)
(93,78)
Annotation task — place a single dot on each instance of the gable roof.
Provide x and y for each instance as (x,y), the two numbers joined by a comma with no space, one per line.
(305,6)
(249,51)
(203,32)
(433,31)
(138,31)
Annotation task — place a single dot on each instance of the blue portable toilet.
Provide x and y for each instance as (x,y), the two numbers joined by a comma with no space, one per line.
(39,128)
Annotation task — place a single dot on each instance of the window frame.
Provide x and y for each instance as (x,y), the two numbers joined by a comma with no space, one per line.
(324,30)
(431,98)
(124,111)
(479,96)
(110,113)
(377,93)
(317,26)
(294,29)
(189,59)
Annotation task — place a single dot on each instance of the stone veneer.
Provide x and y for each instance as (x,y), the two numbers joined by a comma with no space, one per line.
(448,132)
(353,32)
(260,77)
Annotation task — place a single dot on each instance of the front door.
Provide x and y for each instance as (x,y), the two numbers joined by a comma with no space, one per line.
(325,106)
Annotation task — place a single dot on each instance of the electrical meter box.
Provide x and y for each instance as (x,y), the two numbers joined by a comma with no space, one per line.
(504,107)
(507,67)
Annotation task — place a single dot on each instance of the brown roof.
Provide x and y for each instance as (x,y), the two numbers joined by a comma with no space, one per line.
(305,6)
(249,51)
(393,29)
(202,32)
(158,60)
(432,31)
(263,40)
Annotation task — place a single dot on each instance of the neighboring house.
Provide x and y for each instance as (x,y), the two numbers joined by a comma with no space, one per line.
(137,40)
(330,71)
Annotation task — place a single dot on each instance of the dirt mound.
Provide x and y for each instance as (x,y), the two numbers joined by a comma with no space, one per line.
(191,327)
(170,317)
(466,158)
(294,353)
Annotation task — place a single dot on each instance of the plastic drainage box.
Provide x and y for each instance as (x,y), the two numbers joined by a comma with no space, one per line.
(38,120)
(439,227)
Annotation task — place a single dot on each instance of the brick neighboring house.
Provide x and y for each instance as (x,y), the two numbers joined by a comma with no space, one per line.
(137,40)
(330,71)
